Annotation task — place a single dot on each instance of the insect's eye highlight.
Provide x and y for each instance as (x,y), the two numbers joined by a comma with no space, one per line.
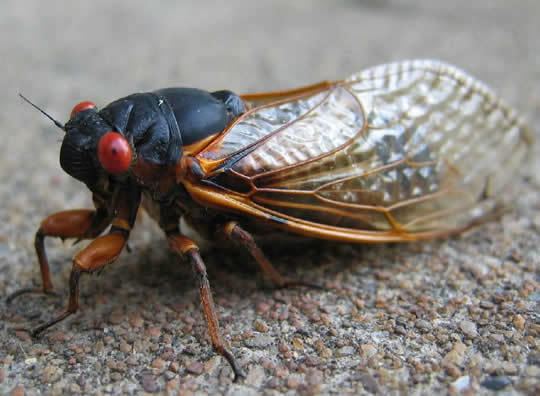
(114,153)
(82,106)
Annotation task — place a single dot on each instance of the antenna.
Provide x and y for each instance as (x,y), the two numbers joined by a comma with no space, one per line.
(57,123)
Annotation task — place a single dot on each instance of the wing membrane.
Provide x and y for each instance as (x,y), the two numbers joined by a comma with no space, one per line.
(406,148)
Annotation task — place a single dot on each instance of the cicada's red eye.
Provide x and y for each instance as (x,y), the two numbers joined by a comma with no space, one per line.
(114,153)
(82,106)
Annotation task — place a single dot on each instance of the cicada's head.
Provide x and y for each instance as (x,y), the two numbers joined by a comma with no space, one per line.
(92,148)
(132,139)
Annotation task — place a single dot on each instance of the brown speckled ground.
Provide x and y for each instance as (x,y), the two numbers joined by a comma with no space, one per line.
(448,316)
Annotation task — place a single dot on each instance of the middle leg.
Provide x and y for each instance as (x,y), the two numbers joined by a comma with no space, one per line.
(187,248)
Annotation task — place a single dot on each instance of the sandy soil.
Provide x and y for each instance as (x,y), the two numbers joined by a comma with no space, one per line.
(459,315)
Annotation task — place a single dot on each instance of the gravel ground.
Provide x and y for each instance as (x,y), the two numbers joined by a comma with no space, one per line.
(452,316)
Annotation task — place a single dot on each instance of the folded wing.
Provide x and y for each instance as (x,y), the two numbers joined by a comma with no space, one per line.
(408,148)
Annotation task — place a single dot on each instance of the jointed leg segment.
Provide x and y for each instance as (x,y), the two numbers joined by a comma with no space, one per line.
(237,234)
(104,249)
(186,247)
(95,256)
(80,223)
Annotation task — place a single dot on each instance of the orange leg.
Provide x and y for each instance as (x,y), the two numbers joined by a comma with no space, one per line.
(80,223)
(187,248)
(95,256)
(237,234)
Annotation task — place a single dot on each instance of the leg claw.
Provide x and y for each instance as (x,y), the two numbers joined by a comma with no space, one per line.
(239,375)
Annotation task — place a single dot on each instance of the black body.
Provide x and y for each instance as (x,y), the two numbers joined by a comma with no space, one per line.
(157,124)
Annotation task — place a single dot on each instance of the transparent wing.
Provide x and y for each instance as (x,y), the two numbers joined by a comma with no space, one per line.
(409,147)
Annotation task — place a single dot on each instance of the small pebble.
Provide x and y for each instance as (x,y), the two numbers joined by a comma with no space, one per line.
(369,383)
(400,330)
(423,325)
(368,350)
(168,355)
(136,320)
(452,370)
(282,372)
(213,365)
(468,328)
(298,344)
(132,361)
(519,322)
(255,377)
(315,377)
(496,383)
(293,382)
(346,351)
(125,347)
(509,368)
(174,367)
(461,384)
(116,317)
(499,338)
(58,336)
(153,331)
(149,383)
(263,307)
(99,346)
(312,361)
(51,374)
(196,368)
(456,355)
(260,341)
(116,376)
(172,387)
(158,363)
(486,304)
(260,326)
(326,353)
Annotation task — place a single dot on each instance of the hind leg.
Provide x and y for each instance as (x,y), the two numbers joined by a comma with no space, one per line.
(237,234)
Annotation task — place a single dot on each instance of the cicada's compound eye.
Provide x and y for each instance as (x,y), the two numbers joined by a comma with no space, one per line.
(114,153)
(82,106)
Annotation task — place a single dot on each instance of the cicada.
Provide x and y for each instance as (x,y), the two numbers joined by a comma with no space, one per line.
(400,152)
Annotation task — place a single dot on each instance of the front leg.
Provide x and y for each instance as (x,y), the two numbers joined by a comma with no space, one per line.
(96,255)
(101,251)
(187,248)
(79,223)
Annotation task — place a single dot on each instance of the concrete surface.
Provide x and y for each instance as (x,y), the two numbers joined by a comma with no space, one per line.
(458,315)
